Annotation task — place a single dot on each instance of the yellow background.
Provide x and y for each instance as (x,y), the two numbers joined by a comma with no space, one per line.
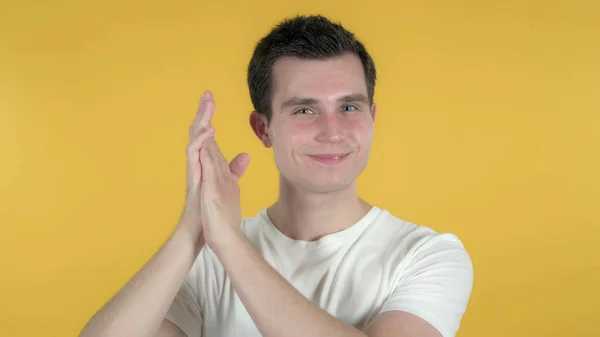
(488,126)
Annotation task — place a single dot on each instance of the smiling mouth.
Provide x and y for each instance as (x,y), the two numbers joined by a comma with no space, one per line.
(330,159)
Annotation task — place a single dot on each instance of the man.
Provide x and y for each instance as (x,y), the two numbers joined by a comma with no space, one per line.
(320,261)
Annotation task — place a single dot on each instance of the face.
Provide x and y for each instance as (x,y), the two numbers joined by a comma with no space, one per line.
(321,128)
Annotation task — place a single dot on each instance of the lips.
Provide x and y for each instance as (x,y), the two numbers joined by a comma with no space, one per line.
(330,158)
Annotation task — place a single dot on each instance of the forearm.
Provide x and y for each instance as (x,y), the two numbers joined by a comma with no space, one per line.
(139,308)
(276,307)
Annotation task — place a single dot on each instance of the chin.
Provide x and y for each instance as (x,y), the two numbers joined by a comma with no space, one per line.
(320,181)
(325,185)
(331,189)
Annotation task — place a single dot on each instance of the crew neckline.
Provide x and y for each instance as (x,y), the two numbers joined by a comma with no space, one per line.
(329,239)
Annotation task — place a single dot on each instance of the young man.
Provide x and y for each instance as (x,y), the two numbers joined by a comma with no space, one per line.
(320,261)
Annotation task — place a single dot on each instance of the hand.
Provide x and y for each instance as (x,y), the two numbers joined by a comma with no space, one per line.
(220,194)
(200,130)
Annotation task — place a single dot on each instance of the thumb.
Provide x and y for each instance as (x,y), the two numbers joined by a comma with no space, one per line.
(238,165)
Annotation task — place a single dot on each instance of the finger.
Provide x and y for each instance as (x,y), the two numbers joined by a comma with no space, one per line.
(208,167)
(206,97)
(193,149)
(238,165)
(196,143)
(204,114)
(203,118)
(217,157)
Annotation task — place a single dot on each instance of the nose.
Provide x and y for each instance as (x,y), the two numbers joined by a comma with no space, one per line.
(330,128)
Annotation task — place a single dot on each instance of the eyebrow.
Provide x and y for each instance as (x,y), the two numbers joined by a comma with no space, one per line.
(312,101)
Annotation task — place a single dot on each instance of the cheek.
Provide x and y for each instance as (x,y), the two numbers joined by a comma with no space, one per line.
(291,137)
(362,131)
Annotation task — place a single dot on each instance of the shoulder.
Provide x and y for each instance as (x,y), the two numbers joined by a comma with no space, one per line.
(433,275)
(411,242)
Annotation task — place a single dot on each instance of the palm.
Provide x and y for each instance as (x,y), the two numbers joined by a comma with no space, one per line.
(200,131)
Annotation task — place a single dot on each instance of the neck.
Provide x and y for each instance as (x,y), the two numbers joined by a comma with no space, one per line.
(308,216)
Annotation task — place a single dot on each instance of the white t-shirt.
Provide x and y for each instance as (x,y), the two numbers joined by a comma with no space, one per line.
(379,264)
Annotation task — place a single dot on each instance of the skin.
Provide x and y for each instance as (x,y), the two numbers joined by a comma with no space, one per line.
(318,199)
(310,193)
(310,117)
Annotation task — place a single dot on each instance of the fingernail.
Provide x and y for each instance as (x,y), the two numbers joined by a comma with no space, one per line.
(205,95)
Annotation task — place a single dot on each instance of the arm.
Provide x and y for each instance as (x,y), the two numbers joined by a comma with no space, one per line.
(278,309)
(429,300)
(140,307)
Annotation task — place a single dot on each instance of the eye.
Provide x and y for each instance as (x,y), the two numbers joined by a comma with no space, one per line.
(303,111)
(349,108)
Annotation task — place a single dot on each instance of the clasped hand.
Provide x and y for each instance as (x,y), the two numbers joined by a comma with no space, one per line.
(212,211)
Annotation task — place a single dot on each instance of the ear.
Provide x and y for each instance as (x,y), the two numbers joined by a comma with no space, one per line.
(373,110)
(258,122)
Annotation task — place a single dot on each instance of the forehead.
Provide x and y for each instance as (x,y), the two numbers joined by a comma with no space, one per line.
(324,79)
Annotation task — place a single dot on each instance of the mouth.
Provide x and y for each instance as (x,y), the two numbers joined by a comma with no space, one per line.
(330,159)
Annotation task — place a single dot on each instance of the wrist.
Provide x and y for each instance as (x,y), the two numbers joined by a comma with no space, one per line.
(191,234)
(228,243)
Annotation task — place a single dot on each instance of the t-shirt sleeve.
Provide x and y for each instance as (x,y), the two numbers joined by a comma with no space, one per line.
(185,311)
(436,283)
